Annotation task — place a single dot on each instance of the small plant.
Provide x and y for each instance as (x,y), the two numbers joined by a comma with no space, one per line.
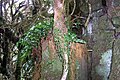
(72,37)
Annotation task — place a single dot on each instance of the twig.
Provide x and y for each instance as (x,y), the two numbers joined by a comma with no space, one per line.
(73,8)
(88,18)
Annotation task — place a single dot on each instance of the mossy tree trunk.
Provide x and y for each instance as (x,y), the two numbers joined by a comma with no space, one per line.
(59,24)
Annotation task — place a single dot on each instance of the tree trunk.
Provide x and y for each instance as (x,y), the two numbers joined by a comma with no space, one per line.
(78,53)
(37,53)
(52,50)
(59,24)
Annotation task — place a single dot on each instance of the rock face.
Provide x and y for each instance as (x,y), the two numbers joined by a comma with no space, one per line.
(102,42)
(115,67)
(103,69)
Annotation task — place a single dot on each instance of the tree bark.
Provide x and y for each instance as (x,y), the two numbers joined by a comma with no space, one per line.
(59,23)
(37,53)
(78,53)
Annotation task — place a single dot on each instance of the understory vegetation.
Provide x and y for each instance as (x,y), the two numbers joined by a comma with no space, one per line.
(59,39)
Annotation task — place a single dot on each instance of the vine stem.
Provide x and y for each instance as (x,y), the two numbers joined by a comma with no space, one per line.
(65,71)
(88,18)
(73,8)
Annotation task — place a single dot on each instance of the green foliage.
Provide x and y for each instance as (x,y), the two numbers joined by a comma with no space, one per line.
(72,37)
(58,41)
(69,37)
(31,40)
(32,37)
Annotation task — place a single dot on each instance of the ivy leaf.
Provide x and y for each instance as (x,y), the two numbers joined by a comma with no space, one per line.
(80,41)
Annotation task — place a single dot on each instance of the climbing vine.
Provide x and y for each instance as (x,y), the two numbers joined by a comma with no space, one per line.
(29,41)
(69,37)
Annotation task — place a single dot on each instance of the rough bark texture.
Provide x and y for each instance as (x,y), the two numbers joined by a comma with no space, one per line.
(38,59)
(78,53)
(59,24)
(52,50)
(72,59)
(59,16)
